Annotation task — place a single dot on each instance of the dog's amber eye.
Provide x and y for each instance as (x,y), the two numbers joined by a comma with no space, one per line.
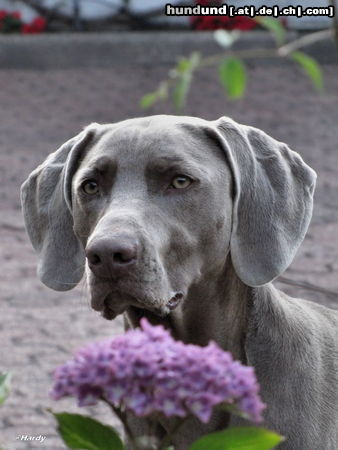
(90,187)
(181,182)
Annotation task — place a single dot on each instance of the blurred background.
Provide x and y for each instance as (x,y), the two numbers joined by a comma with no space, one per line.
(64,64)
(141,13)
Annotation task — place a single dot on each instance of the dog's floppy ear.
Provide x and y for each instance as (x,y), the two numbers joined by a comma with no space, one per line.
(46,204)
(273,201)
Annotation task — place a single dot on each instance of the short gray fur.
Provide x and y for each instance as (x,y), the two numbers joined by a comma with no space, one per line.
(221,242)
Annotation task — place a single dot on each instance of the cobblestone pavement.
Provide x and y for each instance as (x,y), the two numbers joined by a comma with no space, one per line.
(40,110)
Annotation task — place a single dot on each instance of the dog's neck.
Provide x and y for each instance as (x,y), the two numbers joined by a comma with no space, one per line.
(216,308)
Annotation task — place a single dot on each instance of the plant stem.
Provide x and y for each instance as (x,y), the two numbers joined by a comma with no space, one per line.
(123,418)
(303,41)
(266,53)
(121,415)
(166,440)
(259,53)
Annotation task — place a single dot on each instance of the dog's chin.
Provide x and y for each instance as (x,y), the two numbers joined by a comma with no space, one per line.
(112,309)
(116,303)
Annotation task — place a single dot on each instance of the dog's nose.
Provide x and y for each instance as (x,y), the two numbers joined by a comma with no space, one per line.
(112,256)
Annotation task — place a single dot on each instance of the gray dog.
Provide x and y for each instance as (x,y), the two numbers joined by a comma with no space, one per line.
(187,222)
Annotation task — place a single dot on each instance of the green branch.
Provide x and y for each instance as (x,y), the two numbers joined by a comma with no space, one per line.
(230,63)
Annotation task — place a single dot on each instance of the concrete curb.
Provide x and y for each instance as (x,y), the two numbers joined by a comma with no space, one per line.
(103,50)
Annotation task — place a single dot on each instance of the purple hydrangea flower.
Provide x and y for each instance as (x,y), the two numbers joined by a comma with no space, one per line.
(145,370)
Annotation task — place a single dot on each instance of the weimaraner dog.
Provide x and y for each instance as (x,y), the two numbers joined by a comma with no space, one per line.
(187,221)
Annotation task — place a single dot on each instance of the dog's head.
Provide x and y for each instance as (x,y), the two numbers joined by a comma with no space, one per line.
(150,206)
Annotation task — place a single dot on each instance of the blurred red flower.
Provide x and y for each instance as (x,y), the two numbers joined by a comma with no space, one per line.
(11,22)
(206,23)
(16,15)
(36,26)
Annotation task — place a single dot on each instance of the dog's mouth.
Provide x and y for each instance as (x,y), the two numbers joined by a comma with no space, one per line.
(111,308)
(175,300)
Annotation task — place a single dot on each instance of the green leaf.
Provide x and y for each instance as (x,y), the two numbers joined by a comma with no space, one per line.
(181,91)
(5,380)
(184,69)
(273,25)
(232,75)
(238,438)
(310,67)
(82,432)
(151,98)
(183,65)
(226,38)
(148,100)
